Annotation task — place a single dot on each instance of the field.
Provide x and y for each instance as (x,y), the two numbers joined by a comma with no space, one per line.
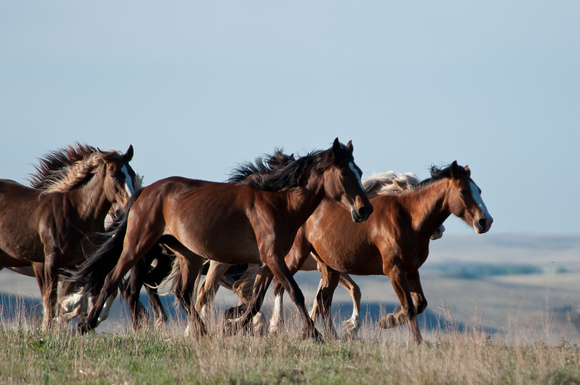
(501,310)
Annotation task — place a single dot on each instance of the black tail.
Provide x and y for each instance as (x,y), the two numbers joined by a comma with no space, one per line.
(92,273)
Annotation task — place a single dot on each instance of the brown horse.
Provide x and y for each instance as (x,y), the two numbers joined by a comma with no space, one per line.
(228,222)
(389,182)
(393,242)
(50,226)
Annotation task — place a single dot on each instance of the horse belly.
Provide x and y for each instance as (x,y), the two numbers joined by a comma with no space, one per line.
(221,241)
(362,260)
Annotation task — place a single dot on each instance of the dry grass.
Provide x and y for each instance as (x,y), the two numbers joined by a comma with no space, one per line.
(378,356)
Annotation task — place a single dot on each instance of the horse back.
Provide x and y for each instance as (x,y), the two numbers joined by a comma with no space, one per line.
(209,218)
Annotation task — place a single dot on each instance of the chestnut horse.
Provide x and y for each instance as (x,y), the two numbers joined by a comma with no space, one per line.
(228,222)
(393,242)
(51,225)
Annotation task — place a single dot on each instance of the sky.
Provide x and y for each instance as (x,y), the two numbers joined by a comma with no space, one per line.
(199,87)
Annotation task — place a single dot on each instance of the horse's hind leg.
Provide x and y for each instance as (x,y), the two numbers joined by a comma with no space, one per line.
(152,281)
(190,266)
(351,325)
(139,315)
(209,288)
(328,283)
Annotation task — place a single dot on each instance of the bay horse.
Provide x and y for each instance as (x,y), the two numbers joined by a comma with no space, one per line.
(393,242)
(389,182)
(228,222)
(53,223)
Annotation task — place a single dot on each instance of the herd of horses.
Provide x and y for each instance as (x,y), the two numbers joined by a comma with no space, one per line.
(85,222)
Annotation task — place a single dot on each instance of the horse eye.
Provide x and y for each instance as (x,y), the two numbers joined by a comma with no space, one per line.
(464,191)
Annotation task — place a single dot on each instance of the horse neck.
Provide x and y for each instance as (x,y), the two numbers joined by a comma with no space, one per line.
(304,200)
(90,200)
(428,206)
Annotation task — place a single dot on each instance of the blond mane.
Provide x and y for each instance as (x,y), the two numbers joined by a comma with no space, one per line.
(389,182)
(63,170)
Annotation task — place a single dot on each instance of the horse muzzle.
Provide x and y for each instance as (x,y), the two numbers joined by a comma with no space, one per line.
(362,214)
(482,225)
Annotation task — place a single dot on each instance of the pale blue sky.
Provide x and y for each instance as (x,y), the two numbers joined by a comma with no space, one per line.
(198,87)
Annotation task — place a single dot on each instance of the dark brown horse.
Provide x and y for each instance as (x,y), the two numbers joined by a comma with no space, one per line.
(228,222)
(50,226)
(393,242)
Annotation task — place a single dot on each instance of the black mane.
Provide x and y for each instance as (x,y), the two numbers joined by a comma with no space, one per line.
(279,171)
(438,173)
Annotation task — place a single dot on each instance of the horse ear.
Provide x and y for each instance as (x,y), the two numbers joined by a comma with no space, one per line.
(129,154)
(467,170)
(454,169)
(349,146)
(336,148)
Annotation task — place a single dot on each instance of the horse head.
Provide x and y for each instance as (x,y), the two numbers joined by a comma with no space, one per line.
(465,200)
(342,182)
(121,180)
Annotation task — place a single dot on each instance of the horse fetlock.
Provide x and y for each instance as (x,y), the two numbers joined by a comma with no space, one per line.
(259,324)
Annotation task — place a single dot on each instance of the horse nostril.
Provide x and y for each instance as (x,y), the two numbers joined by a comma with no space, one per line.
(365,212)
(482,223)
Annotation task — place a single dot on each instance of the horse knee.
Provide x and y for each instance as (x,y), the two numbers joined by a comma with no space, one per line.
(421,306)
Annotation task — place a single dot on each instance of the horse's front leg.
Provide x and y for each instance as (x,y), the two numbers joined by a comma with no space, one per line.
(282,273)
(417,291)
(47,277)
(277,319)
(126,261)
(407,312)
(38,268)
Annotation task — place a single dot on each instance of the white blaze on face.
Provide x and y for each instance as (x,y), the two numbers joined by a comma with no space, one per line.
(128,181)
(358,176)
(477,198)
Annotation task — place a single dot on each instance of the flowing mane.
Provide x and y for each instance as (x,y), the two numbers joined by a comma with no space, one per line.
(438,173)
(389,182)
(62,170)
(279,171)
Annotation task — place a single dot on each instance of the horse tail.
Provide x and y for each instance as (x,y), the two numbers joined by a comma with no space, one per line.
(92,273)
(245,285)
(175,273)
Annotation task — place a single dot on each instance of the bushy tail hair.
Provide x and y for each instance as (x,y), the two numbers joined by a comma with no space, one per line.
(91,274)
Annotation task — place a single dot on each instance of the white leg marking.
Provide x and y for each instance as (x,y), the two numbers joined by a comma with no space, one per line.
(277,319)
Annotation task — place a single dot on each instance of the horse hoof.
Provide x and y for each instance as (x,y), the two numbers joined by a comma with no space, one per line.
(387,322)
(228,328)
(313,335)
(235,312)
(83,328)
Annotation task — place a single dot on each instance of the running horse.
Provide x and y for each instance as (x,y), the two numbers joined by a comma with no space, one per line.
(389,182)
(52,225)
(393,242)
(228,222)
